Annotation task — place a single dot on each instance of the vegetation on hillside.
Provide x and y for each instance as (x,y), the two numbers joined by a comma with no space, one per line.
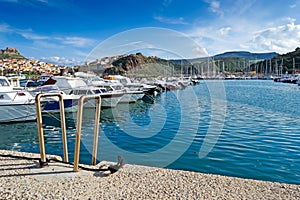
(244,62)
(290,63)
(5,56)
(140,65)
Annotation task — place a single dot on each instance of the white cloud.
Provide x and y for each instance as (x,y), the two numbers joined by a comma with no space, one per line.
(216,40)
(231,8)
(281,39)
(242,26)
(61,60)
(225,30)
(5,28)
(168,20)
(47,45)
(214,6)
(32,36)
(78,41)
(200,50)
(290,19)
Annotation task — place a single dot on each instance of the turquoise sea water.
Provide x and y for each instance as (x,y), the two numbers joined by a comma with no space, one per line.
(248,129)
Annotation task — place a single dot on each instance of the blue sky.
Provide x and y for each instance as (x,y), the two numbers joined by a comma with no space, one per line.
(66,32)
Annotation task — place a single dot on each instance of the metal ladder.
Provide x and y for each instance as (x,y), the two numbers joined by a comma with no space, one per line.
(63,127)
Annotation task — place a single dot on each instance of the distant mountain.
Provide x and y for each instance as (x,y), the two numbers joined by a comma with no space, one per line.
(246,55)
(228,62)
(230,54)
(242,55)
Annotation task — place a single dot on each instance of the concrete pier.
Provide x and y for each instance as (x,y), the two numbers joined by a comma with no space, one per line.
(23,179)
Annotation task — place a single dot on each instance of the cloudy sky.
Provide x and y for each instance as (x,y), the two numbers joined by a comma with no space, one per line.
(67,31)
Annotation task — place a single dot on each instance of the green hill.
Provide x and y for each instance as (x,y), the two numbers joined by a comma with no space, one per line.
(288,62)
(230,62)
(140,65)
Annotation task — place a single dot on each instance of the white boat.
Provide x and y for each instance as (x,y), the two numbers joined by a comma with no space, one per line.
(51,104)
(131,95)
(66,83)
(146,88)
(108,99)
(15,105)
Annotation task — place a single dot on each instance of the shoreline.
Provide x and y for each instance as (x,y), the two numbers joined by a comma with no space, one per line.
(22,179)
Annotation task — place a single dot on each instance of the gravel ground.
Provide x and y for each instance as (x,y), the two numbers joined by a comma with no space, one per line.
(22,179)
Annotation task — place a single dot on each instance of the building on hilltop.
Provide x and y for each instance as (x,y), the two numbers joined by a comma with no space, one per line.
(9,51)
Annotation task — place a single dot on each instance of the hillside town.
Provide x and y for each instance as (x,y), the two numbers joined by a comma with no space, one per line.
(12,62)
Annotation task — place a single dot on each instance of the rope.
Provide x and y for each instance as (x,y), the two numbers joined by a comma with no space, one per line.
(112,168)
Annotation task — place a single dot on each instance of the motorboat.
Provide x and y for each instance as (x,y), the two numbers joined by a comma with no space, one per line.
(66,83)
(51,104)
(109,99)
(15,105)
(146,88)
(131,95)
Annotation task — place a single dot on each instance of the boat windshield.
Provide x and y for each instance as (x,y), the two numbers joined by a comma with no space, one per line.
(97,91)
(3,82)
(100,90)
(117,87)
(81,92)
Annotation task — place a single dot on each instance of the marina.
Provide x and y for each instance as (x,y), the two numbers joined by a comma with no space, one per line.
(143,100)
(257,138)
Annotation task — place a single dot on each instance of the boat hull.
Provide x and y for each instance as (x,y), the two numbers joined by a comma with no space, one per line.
(131,96)
(17,113)
(70,105)
(108,100)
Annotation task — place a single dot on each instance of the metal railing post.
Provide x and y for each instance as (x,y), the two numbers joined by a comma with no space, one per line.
(79,126)
(40,125)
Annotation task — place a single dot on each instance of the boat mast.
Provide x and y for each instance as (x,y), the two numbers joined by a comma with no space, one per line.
(276,68)
(213,67)
(181,68)
(208,73)
(266,71)
(293,66)
(270,67)
(223,67)
(281,66)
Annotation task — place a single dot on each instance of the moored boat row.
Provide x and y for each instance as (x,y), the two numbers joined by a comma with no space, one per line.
(19,104)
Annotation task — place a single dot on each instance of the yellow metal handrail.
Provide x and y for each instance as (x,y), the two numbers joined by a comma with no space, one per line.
(40,124)
(79,126)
